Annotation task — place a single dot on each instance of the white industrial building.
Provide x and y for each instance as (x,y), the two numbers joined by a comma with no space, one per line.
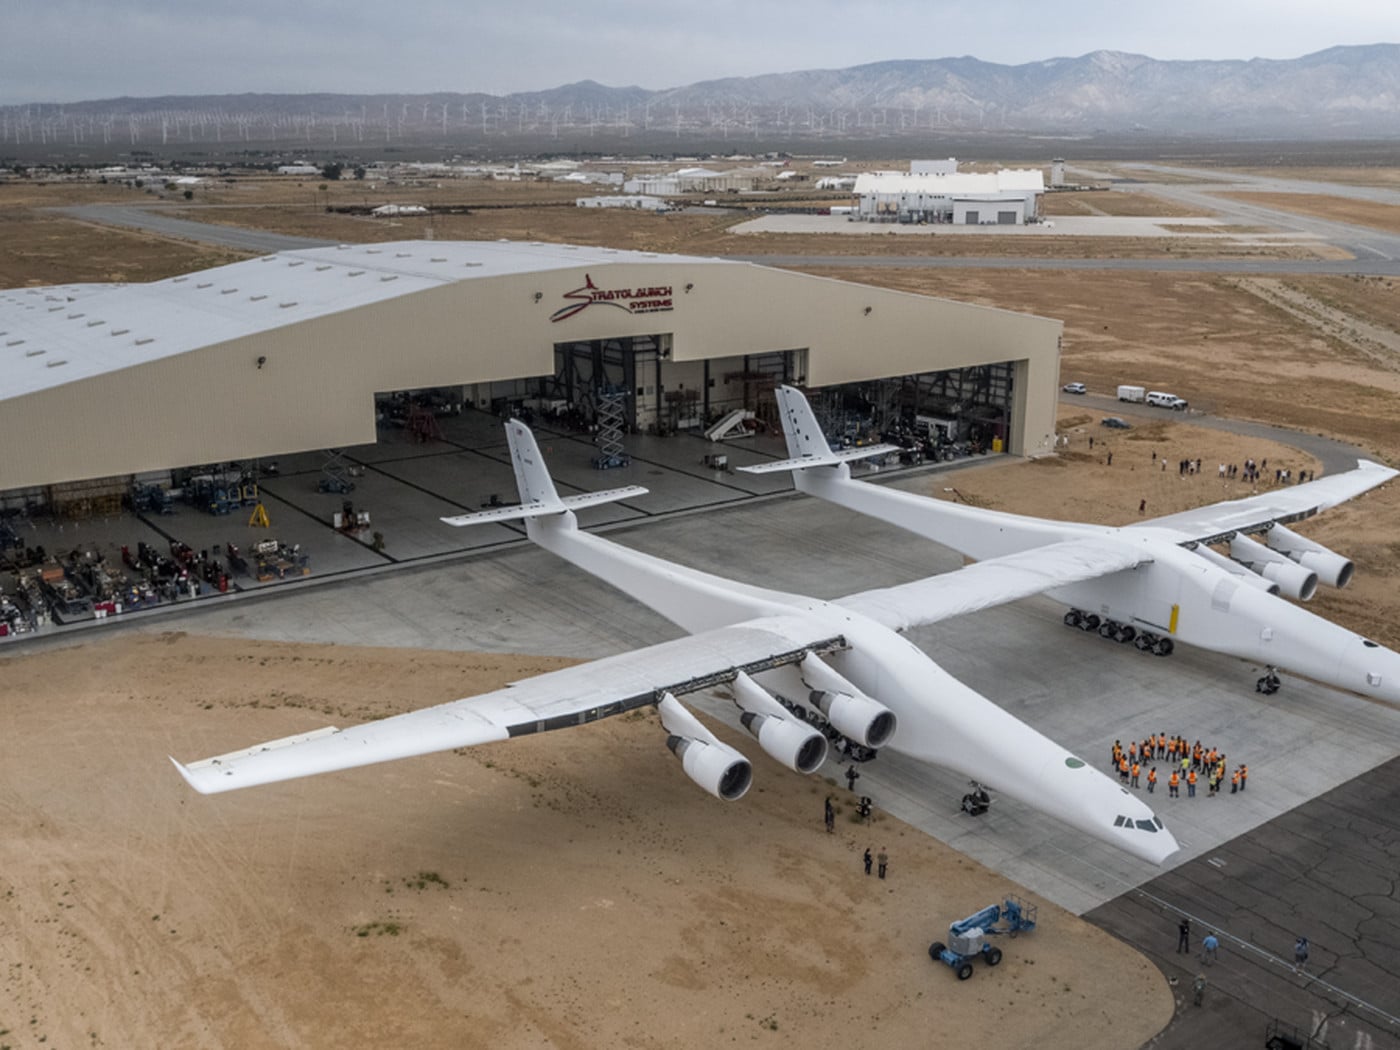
(291,351)
(1007,197)
(691,180)
(634,202)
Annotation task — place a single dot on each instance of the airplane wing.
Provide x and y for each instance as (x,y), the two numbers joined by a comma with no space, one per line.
(1287,503)
(995,581)
(569,697)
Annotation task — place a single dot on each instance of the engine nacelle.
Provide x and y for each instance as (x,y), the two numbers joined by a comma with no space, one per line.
(715,766)
(855,715)
(1331,568)
(797,746)
(868,722)
(1293,579)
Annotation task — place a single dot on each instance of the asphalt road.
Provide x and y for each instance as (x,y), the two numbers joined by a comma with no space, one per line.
(1326,871)
(154,219)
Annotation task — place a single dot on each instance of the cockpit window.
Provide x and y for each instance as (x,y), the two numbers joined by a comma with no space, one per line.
(1142,825)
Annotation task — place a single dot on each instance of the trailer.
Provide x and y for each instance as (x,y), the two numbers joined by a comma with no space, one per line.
(967,938)
(1135,394)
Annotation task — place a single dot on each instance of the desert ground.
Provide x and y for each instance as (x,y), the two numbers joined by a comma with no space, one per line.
(576,890)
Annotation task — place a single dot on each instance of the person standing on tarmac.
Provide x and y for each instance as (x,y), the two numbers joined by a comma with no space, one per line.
(1174,785)
(1151,780)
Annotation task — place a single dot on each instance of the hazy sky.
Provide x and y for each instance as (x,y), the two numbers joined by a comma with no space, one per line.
(68,50)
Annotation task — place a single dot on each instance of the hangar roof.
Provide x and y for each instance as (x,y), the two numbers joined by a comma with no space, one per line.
(58,334)
(956,184)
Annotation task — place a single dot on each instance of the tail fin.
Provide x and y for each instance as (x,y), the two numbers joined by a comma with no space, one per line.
(807,447)
(531,475)
(804,435)
(538,496)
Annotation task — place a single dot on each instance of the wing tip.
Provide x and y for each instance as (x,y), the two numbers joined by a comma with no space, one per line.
(188,776)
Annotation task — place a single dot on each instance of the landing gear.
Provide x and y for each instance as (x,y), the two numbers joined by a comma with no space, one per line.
(977,801)
(1269,684)
(1084,621)
(1121,633)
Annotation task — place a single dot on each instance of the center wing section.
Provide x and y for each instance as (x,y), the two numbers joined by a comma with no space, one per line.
(1283,505)
(995,581)
(570,697)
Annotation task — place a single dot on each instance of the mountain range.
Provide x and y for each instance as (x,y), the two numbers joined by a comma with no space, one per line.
(1348,92)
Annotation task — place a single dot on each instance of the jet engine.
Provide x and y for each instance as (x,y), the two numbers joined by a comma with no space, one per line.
(857,717)
(1293,579)
(795,744)
(1331,568)
(715,766)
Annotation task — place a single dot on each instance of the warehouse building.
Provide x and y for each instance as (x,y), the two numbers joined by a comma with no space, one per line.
(1007,198)
(300,350)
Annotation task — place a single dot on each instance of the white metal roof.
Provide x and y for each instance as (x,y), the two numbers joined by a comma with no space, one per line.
(60,334)
(955,184)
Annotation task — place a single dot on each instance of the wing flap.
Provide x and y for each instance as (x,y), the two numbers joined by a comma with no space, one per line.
(1285,504)
(569,697)
(995,581)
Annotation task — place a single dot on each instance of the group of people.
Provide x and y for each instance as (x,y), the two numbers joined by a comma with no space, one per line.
(1210,945)
(1186,763)
(1251,472)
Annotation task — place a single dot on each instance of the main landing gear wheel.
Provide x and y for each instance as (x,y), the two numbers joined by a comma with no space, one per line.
(1072,618)
(1145,641)
(1088,622)
(1163,647)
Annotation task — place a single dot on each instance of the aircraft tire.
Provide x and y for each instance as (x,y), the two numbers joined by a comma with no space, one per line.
(1145,641)
(1072,618)
(1108,629)
(1090,622)
(1126,634)
(1164,647)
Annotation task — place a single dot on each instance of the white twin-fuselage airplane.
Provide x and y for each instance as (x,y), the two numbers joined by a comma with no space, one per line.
(1154,583)
(788,660)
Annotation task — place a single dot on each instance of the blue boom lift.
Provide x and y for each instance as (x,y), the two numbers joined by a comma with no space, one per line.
(967,938)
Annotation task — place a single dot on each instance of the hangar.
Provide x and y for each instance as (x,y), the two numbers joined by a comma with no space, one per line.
(298,351)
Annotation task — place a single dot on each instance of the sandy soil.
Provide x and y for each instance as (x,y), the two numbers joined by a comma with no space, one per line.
(573,890)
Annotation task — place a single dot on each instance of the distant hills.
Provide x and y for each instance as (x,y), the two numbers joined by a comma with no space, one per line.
(1339,93)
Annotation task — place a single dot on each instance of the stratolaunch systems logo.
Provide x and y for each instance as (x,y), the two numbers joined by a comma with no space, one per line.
(653,300)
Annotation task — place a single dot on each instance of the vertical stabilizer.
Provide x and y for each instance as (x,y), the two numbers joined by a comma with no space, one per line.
(531,475)
(804,436)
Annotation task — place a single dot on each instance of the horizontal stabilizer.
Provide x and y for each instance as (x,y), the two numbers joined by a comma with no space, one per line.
(829,459)
(541,508)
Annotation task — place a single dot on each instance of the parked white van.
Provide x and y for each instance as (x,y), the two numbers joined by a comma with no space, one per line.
(1162,399)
